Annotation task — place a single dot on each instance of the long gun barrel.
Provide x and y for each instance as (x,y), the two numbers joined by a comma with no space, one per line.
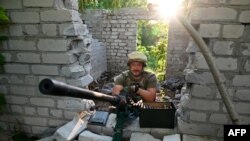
(57,88)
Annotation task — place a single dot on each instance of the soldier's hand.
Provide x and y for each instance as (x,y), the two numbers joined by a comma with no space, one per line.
(134,87)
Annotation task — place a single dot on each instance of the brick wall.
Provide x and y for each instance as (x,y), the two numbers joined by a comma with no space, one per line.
(117,30)
(46,39)
(225,27)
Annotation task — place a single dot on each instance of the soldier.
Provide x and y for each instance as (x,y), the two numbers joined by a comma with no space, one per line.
(136,80)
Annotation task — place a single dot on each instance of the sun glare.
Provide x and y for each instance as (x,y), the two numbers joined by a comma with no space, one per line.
(166,8)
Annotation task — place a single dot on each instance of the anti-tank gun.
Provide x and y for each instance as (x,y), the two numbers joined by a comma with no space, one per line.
(124,109)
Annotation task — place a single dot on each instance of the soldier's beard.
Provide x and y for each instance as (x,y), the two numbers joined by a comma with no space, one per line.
(136,73)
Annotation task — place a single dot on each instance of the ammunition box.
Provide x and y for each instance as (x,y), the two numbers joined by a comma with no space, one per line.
(157,115)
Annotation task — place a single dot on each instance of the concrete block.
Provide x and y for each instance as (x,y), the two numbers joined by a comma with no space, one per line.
(11,4)
(29,110)
(76,30)
(38,129)
(16,30)
(197,128)
(86,80)
(142,136)
(224,64)
(232,31)
(70,130)
(219,118)
(53,45)
(42,111)
(44,70)
(241,80)
(71,4)
(16,100)
(209,30)
(16,68)
(25,17)
(48,102)
(186,137)
(74,71)
(31,120)
(245,49)
(59,58)
(49,29)
(89,136)
(31,80)
(242,108)
(28,57)
(31,30)
(205,105)
(223,48)
(3,89)
(175,137)
(159,133)
(245,16)
(62,15)
(56,122)
(197,116)
(76,105)
(38,3)
(16,109)
(56,113)
(7,56)
(243,94)
(240,2)
(214,13)
(22,90)
(247,66)
(201,91)
(16,79)
(22,45)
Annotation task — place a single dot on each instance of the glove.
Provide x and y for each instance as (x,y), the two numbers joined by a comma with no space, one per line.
(134,87)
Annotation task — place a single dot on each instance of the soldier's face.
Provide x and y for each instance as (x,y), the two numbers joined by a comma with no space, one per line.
(136,68)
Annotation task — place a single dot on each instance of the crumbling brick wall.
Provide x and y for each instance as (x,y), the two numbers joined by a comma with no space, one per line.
(46,39)
(225,27)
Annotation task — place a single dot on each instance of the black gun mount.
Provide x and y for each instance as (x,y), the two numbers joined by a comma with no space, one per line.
(57,88)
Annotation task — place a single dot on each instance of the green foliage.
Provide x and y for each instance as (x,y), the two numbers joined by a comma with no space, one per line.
(152,41)
(110,4)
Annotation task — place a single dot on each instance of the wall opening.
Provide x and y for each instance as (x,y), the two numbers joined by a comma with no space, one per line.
(152,40)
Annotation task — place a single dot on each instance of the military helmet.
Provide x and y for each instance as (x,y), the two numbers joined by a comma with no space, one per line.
(137,56)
